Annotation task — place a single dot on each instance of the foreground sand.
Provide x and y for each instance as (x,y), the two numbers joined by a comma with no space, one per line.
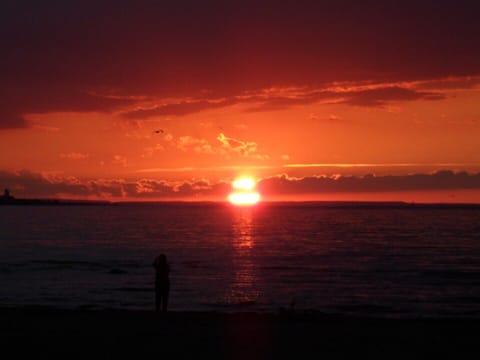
(110,334)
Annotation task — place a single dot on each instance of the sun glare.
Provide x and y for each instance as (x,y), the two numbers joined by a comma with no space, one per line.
(244,193)
(244,183)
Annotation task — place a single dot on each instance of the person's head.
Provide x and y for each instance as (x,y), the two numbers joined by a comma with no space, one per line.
(162,258)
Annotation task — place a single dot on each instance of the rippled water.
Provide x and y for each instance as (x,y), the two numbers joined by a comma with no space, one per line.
(395,260)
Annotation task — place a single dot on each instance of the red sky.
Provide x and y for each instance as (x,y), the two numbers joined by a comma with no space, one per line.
(318,101)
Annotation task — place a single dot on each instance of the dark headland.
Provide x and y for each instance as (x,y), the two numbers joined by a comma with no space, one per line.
(8,199)
(283,335)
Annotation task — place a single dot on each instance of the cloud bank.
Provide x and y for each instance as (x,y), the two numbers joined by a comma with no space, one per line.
(29,184)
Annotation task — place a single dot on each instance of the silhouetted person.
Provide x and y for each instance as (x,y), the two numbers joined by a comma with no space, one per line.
(6,194)
(162,282)
(6,198)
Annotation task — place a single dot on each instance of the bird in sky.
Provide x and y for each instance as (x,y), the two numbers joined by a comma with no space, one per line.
(159,131)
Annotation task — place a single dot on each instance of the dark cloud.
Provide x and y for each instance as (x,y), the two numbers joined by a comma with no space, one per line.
(35,185)
(38,185)
(442,180)
(178,109)
(28,184)
(10,119)
(55,53)
(15,104)
(276,102)
(380,96)
(467,82)
(375,97)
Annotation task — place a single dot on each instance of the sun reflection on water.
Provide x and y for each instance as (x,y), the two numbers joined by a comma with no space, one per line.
(244,289)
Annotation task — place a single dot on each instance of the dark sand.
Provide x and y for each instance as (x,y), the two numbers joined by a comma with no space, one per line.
(110,334)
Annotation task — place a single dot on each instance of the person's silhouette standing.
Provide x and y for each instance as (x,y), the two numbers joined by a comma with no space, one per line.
(162,282)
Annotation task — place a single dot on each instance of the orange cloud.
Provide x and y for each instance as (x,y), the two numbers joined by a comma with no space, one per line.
(75,156)
(248,149)
(120,160)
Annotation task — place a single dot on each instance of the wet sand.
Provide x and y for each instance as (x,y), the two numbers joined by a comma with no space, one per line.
(141,334)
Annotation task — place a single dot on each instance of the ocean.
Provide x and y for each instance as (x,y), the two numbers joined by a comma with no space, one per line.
(376,260)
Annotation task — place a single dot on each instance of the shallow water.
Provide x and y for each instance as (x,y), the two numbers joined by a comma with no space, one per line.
(388,261)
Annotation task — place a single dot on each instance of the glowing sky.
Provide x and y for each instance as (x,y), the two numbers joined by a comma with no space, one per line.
(321,101)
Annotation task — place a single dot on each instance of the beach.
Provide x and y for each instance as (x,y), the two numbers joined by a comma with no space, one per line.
(137,334)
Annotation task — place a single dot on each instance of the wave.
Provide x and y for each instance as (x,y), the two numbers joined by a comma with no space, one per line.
(452,274)
(368,310)
(134,289)
(110,267)
(67,263)
(229,304)
(117,272)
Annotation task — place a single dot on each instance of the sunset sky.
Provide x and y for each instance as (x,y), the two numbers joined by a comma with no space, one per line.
(337,100)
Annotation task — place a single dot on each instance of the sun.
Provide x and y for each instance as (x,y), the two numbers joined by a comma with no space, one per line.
(244,183)
(250,198)
(244,193)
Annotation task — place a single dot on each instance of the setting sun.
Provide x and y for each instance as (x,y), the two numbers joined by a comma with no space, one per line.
(244,183)
(244,193)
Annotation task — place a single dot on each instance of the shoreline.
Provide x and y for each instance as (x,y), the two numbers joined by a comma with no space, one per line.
(240,335)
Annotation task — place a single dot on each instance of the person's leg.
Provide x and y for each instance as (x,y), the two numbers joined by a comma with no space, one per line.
(158,300)
(165,298)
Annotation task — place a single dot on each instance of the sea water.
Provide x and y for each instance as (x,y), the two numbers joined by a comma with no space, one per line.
(382,260)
